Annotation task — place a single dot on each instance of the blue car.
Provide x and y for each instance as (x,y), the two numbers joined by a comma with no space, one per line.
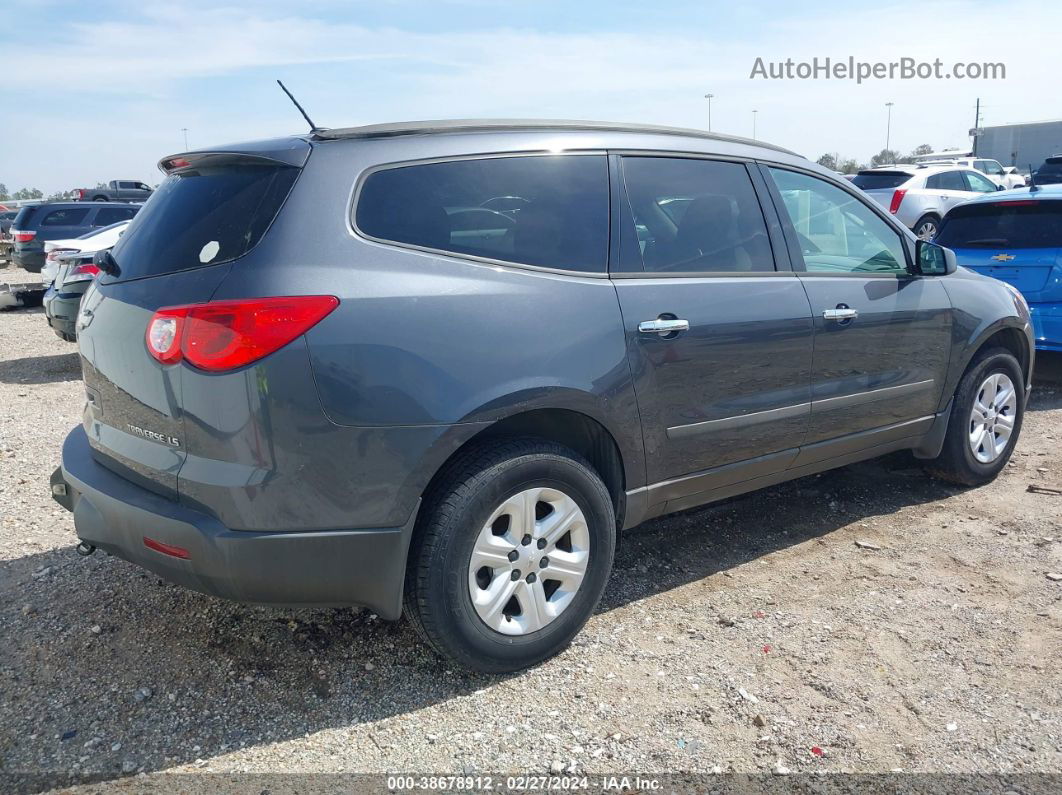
(1015,236)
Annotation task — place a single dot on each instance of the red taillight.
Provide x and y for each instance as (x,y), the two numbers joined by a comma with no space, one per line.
(897,197)
(224,335)
(167,549)
(56,252)
(23,237)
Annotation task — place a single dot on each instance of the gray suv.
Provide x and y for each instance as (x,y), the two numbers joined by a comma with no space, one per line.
(436,368)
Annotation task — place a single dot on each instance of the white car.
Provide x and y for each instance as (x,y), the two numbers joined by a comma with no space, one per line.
(1006,176)
(96,240)
(919,196)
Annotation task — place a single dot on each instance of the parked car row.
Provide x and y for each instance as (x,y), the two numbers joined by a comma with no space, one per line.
(69,269)
(35,225)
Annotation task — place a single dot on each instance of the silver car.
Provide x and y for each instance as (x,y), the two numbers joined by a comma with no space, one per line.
(920,195)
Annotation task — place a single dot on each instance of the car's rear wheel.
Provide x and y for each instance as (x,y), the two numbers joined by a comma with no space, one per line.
(927,226)
(511,556)
(985,421)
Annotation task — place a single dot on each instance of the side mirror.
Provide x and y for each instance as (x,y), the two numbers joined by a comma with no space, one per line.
(105,262)
(934,260)
(1000,187)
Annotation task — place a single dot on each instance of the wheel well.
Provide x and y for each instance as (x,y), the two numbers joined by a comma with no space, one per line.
(583,434)
(1012,340)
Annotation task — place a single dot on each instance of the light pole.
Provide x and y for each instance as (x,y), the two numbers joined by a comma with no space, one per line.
(754,124)
(185,131)
(888,125)
(709,98)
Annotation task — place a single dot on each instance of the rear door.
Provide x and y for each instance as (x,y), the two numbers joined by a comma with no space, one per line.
(61,223)
(719,338)
(882,336)
(949,188)
(208,213)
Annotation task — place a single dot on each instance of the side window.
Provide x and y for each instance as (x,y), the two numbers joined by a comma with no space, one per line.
(836,231)
(70,217)
(993,168)
(105,216)
(979,183)
(549,210)
(142,186)
(946,180)
(691,215)
(126,185)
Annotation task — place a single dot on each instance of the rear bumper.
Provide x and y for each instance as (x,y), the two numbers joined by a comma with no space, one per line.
(321,568)
(1047,326)
(31,259)
(60,309)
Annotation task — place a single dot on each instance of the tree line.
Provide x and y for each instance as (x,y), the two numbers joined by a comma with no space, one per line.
(35,193)
(850,165)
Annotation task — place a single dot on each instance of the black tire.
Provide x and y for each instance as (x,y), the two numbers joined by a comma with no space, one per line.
(956,462)
(928,218)
(437,598)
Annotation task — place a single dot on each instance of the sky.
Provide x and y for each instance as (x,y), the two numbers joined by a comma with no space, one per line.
(102,90)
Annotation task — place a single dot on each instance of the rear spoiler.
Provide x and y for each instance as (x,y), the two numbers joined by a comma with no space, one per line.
(280,151)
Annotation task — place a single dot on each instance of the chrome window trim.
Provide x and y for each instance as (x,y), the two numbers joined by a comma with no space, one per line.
(359,183)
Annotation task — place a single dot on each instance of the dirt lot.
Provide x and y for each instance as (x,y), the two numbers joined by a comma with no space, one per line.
(756,635)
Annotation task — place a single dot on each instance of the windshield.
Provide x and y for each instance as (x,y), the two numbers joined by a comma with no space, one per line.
(1014,224)
(203,216)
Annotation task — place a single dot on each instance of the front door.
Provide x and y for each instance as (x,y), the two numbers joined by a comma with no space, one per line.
(719,339)
(882,336)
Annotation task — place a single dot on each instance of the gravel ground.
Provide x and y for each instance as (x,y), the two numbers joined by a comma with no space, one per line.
(868,619)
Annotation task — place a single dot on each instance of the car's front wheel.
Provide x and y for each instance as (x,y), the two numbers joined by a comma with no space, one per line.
(985,421)
(512,556)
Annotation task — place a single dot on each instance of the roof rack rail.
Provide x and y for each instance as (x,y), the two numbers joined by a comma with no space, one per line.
(516,125)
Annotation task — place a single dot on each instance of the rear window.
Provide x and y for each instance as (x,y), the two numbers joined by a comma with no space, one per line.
(880,181)
(550,211)
(203,216)
(1017,224)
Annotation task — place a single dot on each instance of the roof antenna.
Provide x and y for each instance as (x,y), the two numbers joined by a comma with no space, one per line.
(1033,187)
(313,127)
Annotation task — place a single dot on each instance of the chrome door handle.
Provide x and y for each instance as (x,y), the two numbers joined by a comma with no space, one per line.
(663,326)
(840,314)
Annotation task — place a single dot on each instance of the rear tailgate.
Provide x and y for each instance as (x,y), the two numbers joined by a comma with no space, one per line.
(1018,241)
(211,210)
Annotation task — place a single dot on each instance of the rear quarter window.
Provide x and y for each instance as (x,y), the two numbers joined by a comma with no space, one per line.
(548,211)
(203,216)
(105,216)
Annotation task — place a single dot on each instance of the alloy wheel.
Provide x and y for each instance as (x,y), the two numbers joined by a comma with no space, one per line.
(992,417)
